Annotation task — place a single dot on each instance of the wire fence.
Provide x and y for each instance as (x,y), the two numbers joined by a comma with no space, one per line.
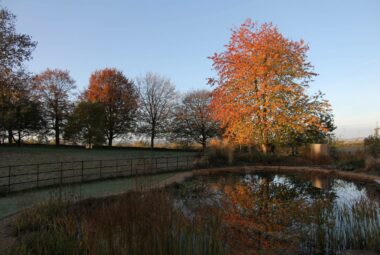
(15,178)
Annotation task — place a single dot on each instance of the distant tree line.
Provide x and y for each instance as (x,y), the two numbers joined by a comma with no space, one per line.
(245,106)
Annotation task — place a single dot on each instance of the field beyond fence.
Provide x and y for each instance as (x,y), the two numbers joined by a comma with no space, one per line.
(30,176)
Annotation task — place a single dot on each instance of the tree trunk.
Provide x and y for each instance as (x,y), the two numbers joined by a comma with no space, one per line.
(10,137)
(268,148)
(110,138)
(56,130)
(19,138)
(57,140)
(152,135)
(204,143)
(204,147)
(265,145)
(265,148)
(293,150)
(152,140)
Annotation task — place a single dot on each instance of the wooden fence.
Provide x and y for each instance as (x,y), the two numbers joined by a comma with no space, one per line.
(24,177)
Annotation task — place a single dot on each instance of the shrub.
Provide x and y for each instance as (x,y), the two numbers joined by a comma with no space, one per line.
(372,164)
(220,156)
(349,161)
(372,145)
(217,157)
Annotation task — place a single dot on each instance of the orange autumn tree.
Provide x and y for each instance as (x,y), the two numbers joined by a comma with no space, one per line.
(260,88)
(119,98)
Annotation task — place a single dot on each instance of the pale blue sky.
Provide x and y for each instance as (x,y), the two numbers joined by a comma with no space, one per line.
(175,37)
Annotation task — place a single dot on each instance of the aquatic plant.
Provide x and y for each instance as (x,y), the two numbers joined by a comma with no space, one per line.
(134,223)
(229,214)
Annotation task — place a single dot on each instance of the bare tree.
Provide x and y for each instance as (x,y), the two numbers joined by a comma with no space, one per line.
(55,87)
(193,120)
(157,98)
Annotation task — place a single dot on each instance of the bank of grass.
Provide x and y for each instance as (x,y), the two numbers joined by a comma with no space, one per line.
(133,223)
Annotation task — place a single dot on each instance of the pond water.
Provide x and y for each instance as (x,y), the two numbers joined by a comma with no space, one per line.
(285,214)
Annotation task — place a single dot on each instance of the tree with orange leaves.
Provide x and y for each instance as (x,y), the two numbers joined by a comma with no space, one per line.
(119,97)
(261,86)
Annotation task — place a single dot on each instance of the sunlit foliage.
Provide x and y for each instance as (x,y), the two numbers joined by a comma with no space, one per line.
(119,97)
(260,88)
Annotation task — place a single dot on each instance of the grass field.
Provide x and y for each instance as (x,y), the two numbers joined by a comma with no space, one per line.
(18,201)
(33,167)
(44,154)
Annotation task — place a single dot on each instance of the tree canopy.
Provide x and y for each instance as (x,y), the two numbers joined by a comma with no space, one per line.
(260,88)
(157,98)
(15,48)
(86,124)
(119,97)
(54,88)
(193,118)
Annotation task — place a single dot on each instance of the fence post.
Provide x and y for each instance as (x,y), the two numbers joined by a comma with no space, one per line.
(187,162)
(131,166)
(167,163)
(60,183)
(9,178)
(38,174)
(137,166)
(177,161)
(81,172)
(144,166)
(61,179)
(100,169)
(156,165)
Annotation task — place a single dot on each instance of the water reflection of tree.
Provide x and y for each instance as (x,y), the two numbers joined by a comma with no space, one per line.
(266,217)
(272,214)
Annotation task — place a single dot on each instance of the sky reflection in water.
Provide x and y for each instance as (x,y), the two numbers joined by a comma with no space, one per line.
(275,213)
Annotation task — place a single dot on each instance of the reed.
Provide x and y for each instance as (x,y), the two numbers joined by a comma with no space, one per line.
(134,223)
(251,217)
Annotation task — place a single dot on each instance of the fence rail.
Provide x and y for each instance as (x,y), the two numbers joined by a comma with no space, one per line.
(23,177)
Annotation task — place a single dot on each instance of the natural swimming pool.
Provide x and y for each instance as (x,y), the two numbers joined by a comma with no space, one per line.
(218,214)
(269,213)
